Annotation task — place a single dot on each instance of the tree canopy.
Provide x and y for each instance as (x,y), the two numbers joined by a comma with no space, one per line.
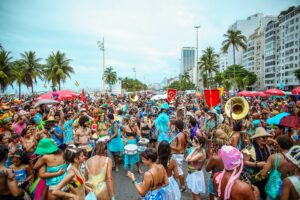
(131,85)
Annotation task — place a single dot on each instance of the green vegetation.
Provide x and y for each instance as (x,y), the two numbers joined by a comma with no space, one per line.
(184,83)
(243,78)
(29,68)
(58,68)
(297,74)
(132,85)
(236,39)
(110,77)
(208,64)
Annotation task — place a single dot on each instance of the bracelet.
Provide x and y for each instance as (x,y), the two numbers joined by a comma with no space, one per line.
(134,182)
(256,164)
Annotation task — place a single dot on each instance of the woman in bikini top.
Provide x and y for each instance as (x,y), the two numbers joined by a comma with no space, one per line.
(155,179)
(74,179)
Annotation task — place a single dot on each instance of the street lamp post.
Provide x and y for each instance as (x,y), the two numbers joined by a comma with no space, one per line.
(101,47)
(134,71)
(197,78)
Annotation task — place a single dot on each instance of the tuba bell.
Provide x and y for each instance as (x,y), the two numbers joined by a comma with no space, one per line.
(237,108)
(134,97)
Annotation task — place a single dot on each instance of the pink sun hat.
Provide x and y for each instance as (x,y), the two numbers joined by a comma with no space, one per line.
(230,156)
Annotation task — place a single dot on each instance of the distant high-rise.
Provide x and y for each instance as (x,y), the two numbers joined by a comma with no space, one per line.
(247,28)
(282,50)
(188,59)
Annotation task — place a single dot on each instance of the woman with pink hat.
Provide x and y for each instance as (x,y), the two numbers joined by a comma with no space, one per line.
(226,183)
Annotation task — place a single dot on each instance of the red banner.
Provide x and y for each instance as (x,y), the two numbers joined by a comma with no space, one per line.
(171,94)
(212,97)
(83,98)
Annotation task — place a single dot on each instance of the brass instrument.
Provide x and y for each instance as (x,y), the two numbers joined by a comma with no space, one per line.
(133,97)
(237,108)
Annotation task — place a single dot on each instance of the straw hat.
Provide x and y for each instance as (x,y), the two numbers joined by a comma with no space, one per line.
(51,119)
(260,132)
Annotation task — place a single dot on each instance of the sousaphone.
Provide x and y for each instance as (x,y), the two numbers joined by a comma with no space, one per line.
(133,97)
(237,108)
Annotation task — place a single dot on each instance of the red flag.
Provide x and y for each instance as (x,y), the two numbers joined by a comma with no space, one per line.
(212,97)
(171,94)
(83,98)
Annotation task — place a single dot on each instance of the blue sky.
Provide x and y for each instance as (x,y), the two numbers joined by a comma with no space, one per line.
(147,35)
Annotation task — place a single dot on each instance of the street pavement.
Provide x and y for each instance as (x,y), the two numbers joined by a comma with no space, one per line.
(125,190)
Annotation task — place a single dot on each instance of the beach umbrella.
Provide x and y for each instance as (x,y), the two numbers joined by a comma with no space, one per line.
(292,121)
(245,93)
(262,94)
(277,118)
(296,91)
(44,102)
(275,92)
(62,94)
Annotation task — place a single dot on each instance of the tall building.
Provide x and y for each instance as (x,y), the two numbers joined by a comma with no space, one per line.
(247,28)
(223,61)
(282,50)
(188,59)
(253,57)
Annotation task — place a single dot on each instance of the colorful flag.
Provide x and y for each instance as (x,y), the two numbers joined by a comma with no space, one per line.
(83,98)
(212,97)
(171,94)
(76,83)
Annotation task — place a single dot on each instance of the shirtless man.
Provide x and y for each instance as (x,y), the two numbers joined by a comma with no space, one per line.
(236,135)
(234,189)
(9,189)
(178,147)
(83,134)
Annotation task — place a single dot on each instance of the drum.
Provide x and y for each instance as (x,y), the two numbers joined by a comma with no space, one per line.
(142,145)
(103,139)
(143,142)
(130,149)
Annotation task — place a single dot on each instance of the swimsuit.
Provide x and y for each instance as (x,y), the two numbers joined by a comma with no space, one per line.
(98,181)
(54,181)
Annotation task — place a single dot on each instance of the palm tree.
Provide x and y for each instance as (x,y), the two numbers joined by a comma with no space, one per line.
(218,78)
(204,78)
(5,69)
(32,68)
(208,62)
(236,39)
(58,68)
(185,76)
(110,77)
(227,83)
(297,74)
(19,74)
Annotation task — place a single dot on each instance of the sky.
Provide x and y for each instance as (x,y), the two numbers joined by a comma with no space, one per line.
(144,34)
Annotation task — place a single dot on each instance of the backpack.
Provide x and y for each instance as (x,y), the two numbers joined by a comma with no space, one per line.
(273,186)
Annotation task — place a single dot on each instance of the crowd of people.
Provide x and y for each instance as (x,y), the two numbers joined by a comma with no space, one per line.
(68,149)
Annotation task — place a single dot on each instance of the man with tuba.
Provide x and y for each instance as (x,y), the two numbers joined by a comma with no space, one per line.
(236,109)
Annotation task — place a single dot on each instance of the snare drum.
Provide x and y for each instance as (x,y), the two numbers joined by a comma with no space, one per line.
(130,149)
(143,142)
(142,145)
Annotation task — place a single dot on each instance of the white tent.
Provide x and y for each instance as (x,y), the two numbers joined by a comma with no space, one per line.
(159,96)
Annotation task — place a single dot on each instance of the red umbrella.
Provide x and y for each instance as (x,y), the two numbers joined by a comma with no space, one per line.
(296,91)
(245,93)
(261,94)
(275,92)
(292,121)
(62,94)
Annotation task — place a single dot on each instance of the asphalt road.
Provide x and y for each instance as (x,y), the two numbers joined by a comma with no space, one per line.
(125,190)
